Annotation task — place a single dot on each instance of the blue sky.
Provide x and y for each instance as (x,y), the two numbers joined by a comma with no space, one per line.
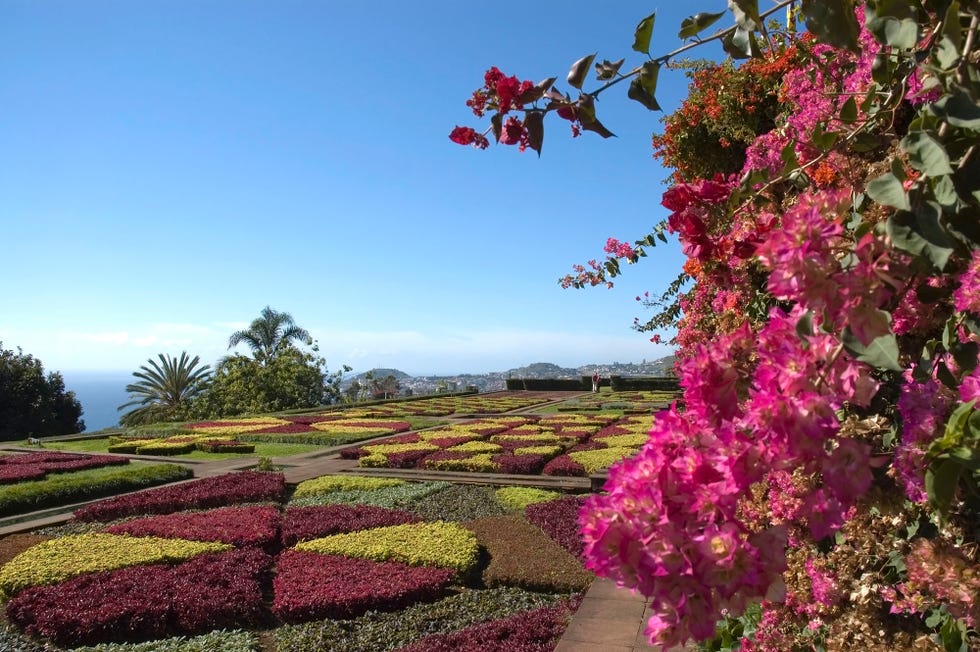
(170,168)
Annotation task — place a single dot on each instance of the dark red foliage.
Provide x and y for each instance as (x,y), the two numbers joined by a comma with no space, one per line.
(34,466)
(239,526)
(11,473)
(572,433)
(586,446)
(520,464)
(210,591)
(310,419)
(304,523)
(222,490)
(411,438)
(559,520)
(489,430)
(352,453)
(309,585)
(406,459)
(610,431)
(565,466)
(537,630)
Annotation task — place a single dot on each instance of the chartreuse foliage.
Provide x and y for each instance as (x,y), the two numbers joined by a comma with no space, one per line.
(446,545)
(600,458)
(56,560)
(517,498)
(328,483)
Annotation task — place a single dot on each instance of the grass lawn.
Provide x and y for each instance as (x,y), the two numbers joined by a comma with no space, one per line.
(261,449)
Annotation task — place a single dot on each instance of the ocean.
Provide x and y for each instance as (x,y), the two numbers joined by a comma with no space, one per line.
(100,393)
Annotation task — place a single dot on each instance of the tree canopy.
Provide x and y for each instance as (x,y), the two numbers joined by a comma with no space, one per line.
(269,334)
(165,391)
(33,404)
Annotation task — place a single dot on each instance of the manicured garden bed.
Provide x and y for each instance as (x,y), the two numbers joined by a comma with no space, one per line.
(555,444)
(358,563)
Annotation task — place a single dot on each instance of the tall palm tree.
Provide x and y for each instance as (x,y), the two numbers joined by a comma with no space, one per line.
(164,389)
(269,334)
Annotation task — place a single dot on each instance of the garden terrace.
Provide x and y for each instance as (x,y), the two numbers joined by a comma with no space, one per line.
(348,554)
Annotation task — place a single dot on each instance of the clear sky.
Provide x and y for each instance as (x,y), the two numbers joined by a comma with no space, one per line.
(168,168)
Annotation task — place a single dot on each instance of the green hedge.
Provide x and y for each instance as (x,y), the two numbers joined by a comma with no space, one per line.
(644,383)
(547,384)
(67,488)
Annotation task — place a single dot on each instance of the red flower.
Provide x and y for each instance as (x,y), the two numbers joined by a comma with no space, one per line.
(512,131)
(469,136)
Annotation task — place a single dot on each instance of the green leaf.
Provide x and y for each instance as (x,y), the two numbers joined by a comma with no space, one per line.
(644,85)
(534,123)
(833,22)
(849,112)
(944,191)
(741,44)
(804,325)
(958,110)
(608,69)
(579,70)
(746,14)
(942,478)
(894,22)
(881,352)
(965,225)
(691,25)
(921,234)
(888,190)
(496,123)
(586,116)
(965,354)
(536,92)
(926,154)
(643,34)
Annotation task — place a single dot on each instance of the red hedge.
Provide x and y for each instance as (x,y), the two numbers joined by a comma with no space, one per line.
(565,466)
(529,464)
(210,591)
(559,519)
(304,523)
(309,585)
(537,630)
(239,526)
(228,489)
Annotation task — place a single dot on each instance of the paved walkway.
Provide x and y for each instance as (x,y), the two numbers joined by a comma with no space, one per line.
(609,619)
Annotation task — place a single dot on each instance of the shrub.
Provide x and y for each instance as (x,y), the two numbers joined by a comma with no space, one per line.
(221,640)
(312,585)
(517,498)
(522,555)
(533,631)
(600,459)
(327,483)
(437,544)
(56,560)
(383,632)
(547,451)
(559,520)
(238,526)
(624,441)
(476,447)
(564,465)
(479,463)
(164,447)
(397,497)
(225,446)
(315,521)
(147,602)
(458,503)
(66,488)
(520,464)
(231,488)
(386,449)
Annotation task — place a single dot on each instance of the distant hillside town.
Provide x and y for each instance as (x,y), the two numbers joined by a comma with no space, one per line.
(389,383)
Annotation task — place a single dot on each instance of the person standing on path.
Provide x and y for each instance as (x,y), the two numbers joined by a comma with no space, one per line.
(595,381)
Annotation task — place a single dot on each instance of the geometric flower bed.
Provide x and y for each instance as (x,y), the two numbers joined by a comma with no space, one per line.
(562,444)
(495,403)
(325,429)
(35,466)
(335,573)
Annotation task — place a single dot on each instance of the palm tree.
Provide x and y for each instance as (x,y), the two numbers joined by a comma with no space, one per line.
(164,389)
(269,334)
